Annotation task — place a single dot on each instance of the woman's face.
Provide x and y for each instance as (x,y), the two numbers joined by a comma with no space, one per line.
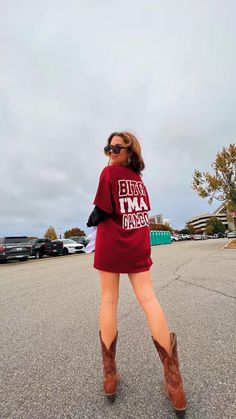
(122,157)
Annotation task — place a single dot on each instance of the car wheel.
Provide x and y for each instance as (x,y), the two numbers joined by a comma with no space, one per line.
(38,254)
(23,259)
(65,251)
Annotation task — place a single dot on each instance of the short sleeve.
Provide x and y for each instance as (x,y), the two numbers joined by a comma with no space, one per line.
(103,198)
(148,200)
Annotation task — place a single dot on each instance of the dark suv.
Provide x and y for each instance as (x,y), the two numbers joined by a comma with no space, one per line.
(18,248)
(46,247)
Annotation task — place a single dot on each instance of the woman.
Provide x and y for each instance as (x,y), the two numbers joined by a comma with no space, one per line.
(123,246)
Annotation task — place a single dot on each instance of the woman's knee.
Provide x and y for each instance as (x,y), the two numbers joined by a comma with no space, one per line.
(145,299)
(109,299)
(143,288)
(109,283)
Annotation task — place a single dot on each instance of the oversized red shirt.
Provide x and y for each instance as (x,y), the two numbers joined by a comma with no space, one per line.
(123,239)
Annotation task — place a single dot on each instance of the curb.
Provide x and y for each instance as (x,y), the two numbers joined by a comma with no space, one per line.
(228,245)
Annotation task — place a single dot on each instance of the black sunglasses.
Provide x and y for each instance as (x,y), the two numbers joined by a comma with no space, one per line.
(116,149)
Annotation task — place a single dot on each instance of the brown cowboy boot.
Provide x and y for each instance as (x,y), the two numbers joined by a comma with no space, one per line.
(173,385)
(110,375)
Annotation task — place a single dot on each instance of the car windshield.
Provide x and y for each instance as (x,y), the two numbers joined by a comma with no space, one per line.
(16,240)
(69,241)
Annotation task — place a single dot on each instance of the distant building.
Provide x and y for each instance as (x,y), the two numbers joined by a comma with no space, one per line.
(156,219)
(159,219)
(199,221)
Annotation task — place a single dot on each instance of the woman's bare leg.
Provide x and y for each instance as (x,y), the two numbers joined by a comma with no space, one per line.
(143,289)
(109,285)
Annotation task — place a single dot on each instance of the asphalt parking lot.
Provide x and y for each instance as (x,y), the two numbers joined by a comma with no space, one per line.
(49,348)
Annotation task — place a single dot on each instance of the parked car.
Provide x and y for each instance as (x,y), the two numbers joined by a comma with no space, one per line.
(197,237)
(70,246)
(222,235)
(15,248)
(80,239)
(219,235)
(231,235)
(46,247)
(174,238)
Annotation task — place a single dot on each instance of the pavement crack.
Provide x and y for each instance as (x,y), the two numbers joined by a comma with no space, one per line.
(182,264)
(167,285)
(179,279)
(174,273)
(205,288)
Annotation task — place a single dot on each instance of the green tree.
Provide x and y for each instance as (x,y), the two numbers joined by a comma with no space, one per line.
(214,225)
(50,233)
(75,231)
(220,185)
(209,230)
(160,227)
(191,229)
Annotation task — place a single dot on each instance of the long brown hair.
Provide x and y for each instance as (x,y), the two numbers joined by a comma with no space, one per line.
(136,161)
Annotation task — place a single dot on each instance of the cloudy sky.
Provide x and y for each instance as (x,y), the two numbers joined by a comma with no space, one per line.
(73,71)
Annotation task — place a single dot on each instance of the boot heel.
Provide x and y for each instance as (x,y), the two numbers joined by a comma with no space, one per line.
(111,398)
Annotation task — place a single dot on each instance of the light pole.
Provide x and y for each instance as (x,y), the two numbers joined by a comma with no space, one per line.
(60,229)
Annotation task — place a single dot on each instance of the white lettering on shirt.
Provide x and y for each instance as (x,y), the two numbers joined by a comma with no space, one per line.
(130,188)
(132,204)
(130,221)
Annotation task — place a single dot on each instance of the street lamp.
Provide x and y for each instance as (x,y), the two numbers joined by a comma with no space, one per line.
(60,229)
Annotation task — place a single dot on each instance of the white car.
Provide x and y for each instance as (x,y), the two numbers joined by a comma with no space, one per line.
(231,235)
(198,237)
(70,246)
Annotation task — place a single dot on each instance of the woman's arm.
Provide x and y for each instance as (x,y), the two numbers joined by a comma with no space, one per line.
(96,217)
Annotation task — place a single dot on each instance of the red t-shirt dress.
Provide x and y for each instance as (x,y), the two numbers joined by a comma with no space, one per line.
(123,239)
